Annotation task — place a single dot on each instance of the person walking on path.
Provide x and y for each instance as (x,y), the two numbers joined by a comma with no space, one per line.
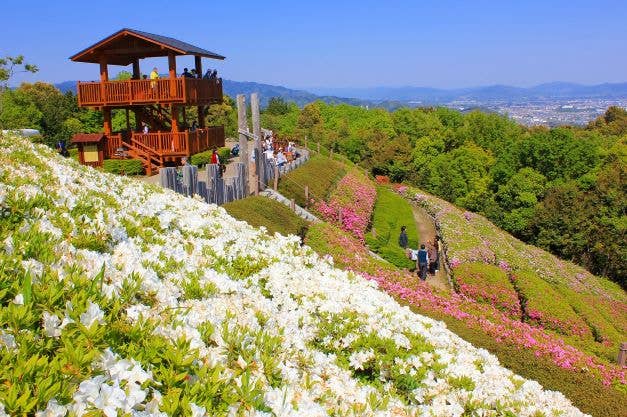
(403,241)
(423,262)
(432,257)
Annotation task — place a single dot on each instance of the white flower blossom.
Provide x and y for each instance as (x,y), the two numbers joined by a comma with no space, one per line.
(7,340)
(176,239)
(93,315)
(197,411)
(54,409)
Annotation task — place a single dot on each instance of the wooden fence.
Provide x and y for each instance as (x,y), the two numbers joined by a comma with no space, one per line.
(219,190)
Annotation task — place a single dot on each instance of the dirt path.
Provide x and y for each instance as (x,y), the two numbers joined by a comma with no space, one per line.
(426,231)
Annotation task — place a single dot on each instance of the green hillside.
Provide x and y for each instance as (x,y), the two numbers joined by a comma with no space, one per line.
(589,311)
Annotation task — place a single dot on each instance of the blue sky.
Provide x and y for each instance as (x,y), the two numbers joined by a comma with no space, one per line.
(341,43)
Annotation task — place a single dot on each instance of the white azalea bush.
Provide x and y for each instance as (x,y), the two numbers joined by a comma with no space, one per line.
(124,299)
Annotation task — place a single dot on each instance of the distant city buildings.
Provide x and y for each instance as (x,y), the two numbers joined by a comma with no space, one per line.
(545,113)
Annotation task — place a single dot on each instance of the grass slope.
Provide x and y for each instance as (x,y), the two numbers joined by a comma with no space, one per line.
(262,211)
(319,173)
(589,311)
(391,211)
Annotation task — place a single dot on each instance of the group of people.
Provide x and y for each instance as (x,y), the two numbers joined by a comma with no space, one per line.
(280,156)
(427,258)
(209,74)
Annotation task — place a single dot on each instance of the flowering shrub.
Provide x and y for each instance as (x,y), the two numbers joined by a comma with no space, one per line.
(178,309)
(544,306)
(351,202)
(560,294)
(488,284)
(504,327)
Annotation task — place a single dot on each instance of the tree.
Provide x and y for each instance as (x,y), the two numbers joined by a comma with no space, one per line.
(277,106)
(9,65)
(461,176)
(310,122)
(558,154)
(518,199)
(613,122)
(223,114)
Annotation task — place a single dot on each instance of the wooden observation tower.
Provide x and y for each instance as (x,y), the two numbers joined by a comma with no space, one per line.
(158,104)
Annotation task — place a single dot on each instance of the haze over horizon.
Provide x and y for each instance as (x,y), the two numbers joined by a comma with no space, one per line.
(451,44)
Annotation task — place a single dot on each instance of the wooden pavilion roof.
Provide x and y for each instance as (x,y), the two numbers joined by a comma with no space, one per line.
(87,137)
(126,45)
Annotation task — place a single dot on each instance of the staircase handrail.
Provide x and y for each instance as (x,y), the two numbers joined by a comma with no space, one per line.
(148,153)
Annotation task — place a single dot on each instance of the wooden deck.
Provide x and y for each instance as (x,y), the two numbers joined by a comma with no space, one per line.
(155,149)
(188,91)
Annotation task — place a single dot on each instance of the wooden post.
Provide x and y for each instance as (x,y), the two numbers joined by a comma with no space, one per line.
(198,65)
(175,118)
(306,143)
(138,120)
(201,109)
(293,205)
(106,112)
(136,72)
(339,216)
(276,178)
(128,121)
(622,354)
(106,116)
(104,77)
(306,195)
(331,154)
(172,73)
(254,107)
(318,147)
(172,77)
(242,125)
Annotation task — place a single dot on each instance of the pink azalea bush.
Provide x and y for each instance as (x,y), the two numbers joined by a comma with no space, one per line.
(586,309)
(488,284)
(349,253)
(352,202)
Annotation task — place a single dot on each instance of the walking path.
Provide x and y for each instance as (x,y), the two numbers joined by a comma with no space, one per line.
(426,231)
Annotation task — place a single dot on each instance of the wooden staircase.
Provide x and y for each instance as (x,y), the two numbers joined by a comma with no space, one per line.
(157,117)
(149,158)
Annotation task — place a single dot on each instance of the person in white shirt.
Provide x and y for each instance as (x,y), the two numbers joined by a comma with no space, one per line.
(280,158)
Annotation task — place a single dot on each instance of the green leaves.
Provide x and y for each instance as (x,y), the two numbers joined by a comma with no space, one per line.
(27,289)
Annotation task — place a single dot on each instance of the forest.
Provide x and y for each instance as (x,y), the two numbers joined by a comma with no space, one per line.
(561,189)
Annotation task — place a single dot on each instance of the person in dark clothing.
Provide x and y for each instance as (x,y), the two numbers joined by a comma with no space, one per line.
(423,262)
(432,257)
(438,250)
(187,74)
(402,238)
(62,148)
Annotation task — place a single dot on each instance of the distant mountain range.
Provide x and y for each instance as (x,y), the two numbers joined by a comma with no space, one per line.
(266,92)
(394,97)
(548,91)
